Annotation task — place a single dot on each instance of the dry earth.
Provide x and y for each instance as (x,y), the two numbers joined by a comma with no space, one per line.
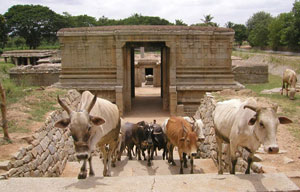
(18,114)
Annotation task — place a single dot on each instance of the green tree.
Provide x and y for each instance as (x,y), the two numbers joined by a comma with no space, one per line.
(258,30)
(229,24)
(240,33)
(138,19)
(296,26)
(207,21)
(33,23)
(3,32)
(180,22)
(282,31)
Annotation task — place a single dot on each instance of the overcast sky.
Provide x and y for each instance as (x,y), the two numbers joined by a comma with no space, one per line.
(189,11)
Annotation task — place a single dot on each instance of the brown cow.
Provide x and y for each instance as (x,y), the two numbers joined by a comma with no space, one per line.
(180,133)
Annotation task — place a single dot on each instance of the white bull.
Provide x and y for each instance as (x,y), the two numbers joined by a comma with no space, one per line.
(96,121)
(248,125)
(289,78)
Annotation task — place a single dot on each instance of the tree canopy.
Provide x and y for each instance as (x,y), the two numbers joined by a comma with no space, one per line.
(33,23)
(3,32)
(258,30)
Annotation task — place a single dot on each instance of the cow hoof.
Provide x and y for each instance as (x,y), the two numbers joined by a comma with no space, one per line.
(185,166)
(173,163)
(149,164)
(82,176)
(113,165)
(181,171)
(220,172)
(119,159)
(91,174)
(192,172)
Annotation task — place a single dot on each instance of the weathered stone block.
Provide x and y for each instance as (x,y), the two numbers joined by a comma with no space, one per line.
(5,165)
(52,148)
(45,155)
(17,163)
(20,154)
(27,158)
(45,142)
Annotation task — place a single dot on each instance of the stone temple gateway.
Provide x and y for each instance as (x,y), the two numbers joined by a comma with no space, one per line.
(193,60)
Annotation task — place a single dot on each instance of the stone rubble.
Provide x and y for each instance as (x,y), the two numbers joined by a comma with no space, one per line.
(48,153)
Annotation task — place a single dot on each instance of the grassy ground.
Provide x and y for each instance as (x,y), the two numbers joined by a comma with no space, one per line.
(289,108)
(29,102)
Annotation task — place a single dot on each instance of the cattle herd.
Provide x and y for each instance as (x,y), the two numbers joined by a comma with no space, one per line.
(96,122)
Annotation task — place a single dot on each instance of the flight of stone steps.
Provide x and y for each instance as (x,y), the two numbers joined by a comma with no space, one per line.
(134,167)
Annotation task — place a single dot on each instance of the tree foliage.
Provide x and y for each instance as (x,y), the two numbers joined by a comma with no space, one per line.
(207,21)
(258,30)
(80,20)
(33,23)
(180,22)
(240,33)
(3,31)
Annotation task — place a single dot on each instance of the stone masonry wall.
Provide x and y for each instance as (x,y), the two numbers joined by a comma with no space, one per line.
(208,148)
(250,73)
(49,149)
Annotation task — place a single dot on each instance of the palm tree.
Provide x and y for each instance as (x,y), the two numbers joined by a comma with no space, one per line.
(207,19)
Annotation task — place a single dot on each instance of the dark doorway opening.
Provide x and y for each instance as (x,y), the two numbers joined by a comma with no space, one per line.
(146,75)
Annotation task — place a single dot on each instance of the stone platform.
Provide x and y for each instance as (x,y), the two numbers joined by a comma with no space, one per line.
(197,182)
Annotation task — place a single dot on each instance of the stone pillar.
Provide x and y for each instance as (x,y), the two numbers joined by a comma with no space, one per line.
(142,50)
(172,64)
(16,61)
(180,110)
(5,59)
(120,66)
(173,100)
(28,61)
(119,99)
(127,81)
(165,85)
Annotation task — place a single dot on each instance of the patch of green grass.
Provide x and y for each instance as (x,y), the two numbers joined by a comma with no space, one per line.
(274,81)
(243,55)
(13,127)
(38,110)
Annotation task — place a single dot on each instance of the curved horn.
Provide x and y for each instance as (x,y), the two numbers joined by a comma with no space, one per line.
(90,107)
(63,105)
(193,118)
(184,129)
(251,107)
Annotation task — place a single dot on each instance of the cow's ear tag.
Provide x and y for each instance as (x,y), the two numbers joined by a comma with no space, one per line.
(97,120)
(252,121)
(63,123)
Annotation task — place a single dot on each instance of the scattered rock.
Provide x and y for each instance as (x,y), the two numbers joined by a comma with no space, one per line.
(287,160)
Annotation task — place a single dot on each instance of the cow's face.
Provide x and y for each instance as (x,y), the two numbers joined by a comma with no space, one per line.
(82,127)
(266,123)
(292,93)
(148,130)
(189,140)
(197,127)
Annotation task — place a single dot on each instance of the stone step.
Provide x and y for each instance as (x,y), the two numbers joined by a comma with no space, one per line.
(134,167)
(197,182)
